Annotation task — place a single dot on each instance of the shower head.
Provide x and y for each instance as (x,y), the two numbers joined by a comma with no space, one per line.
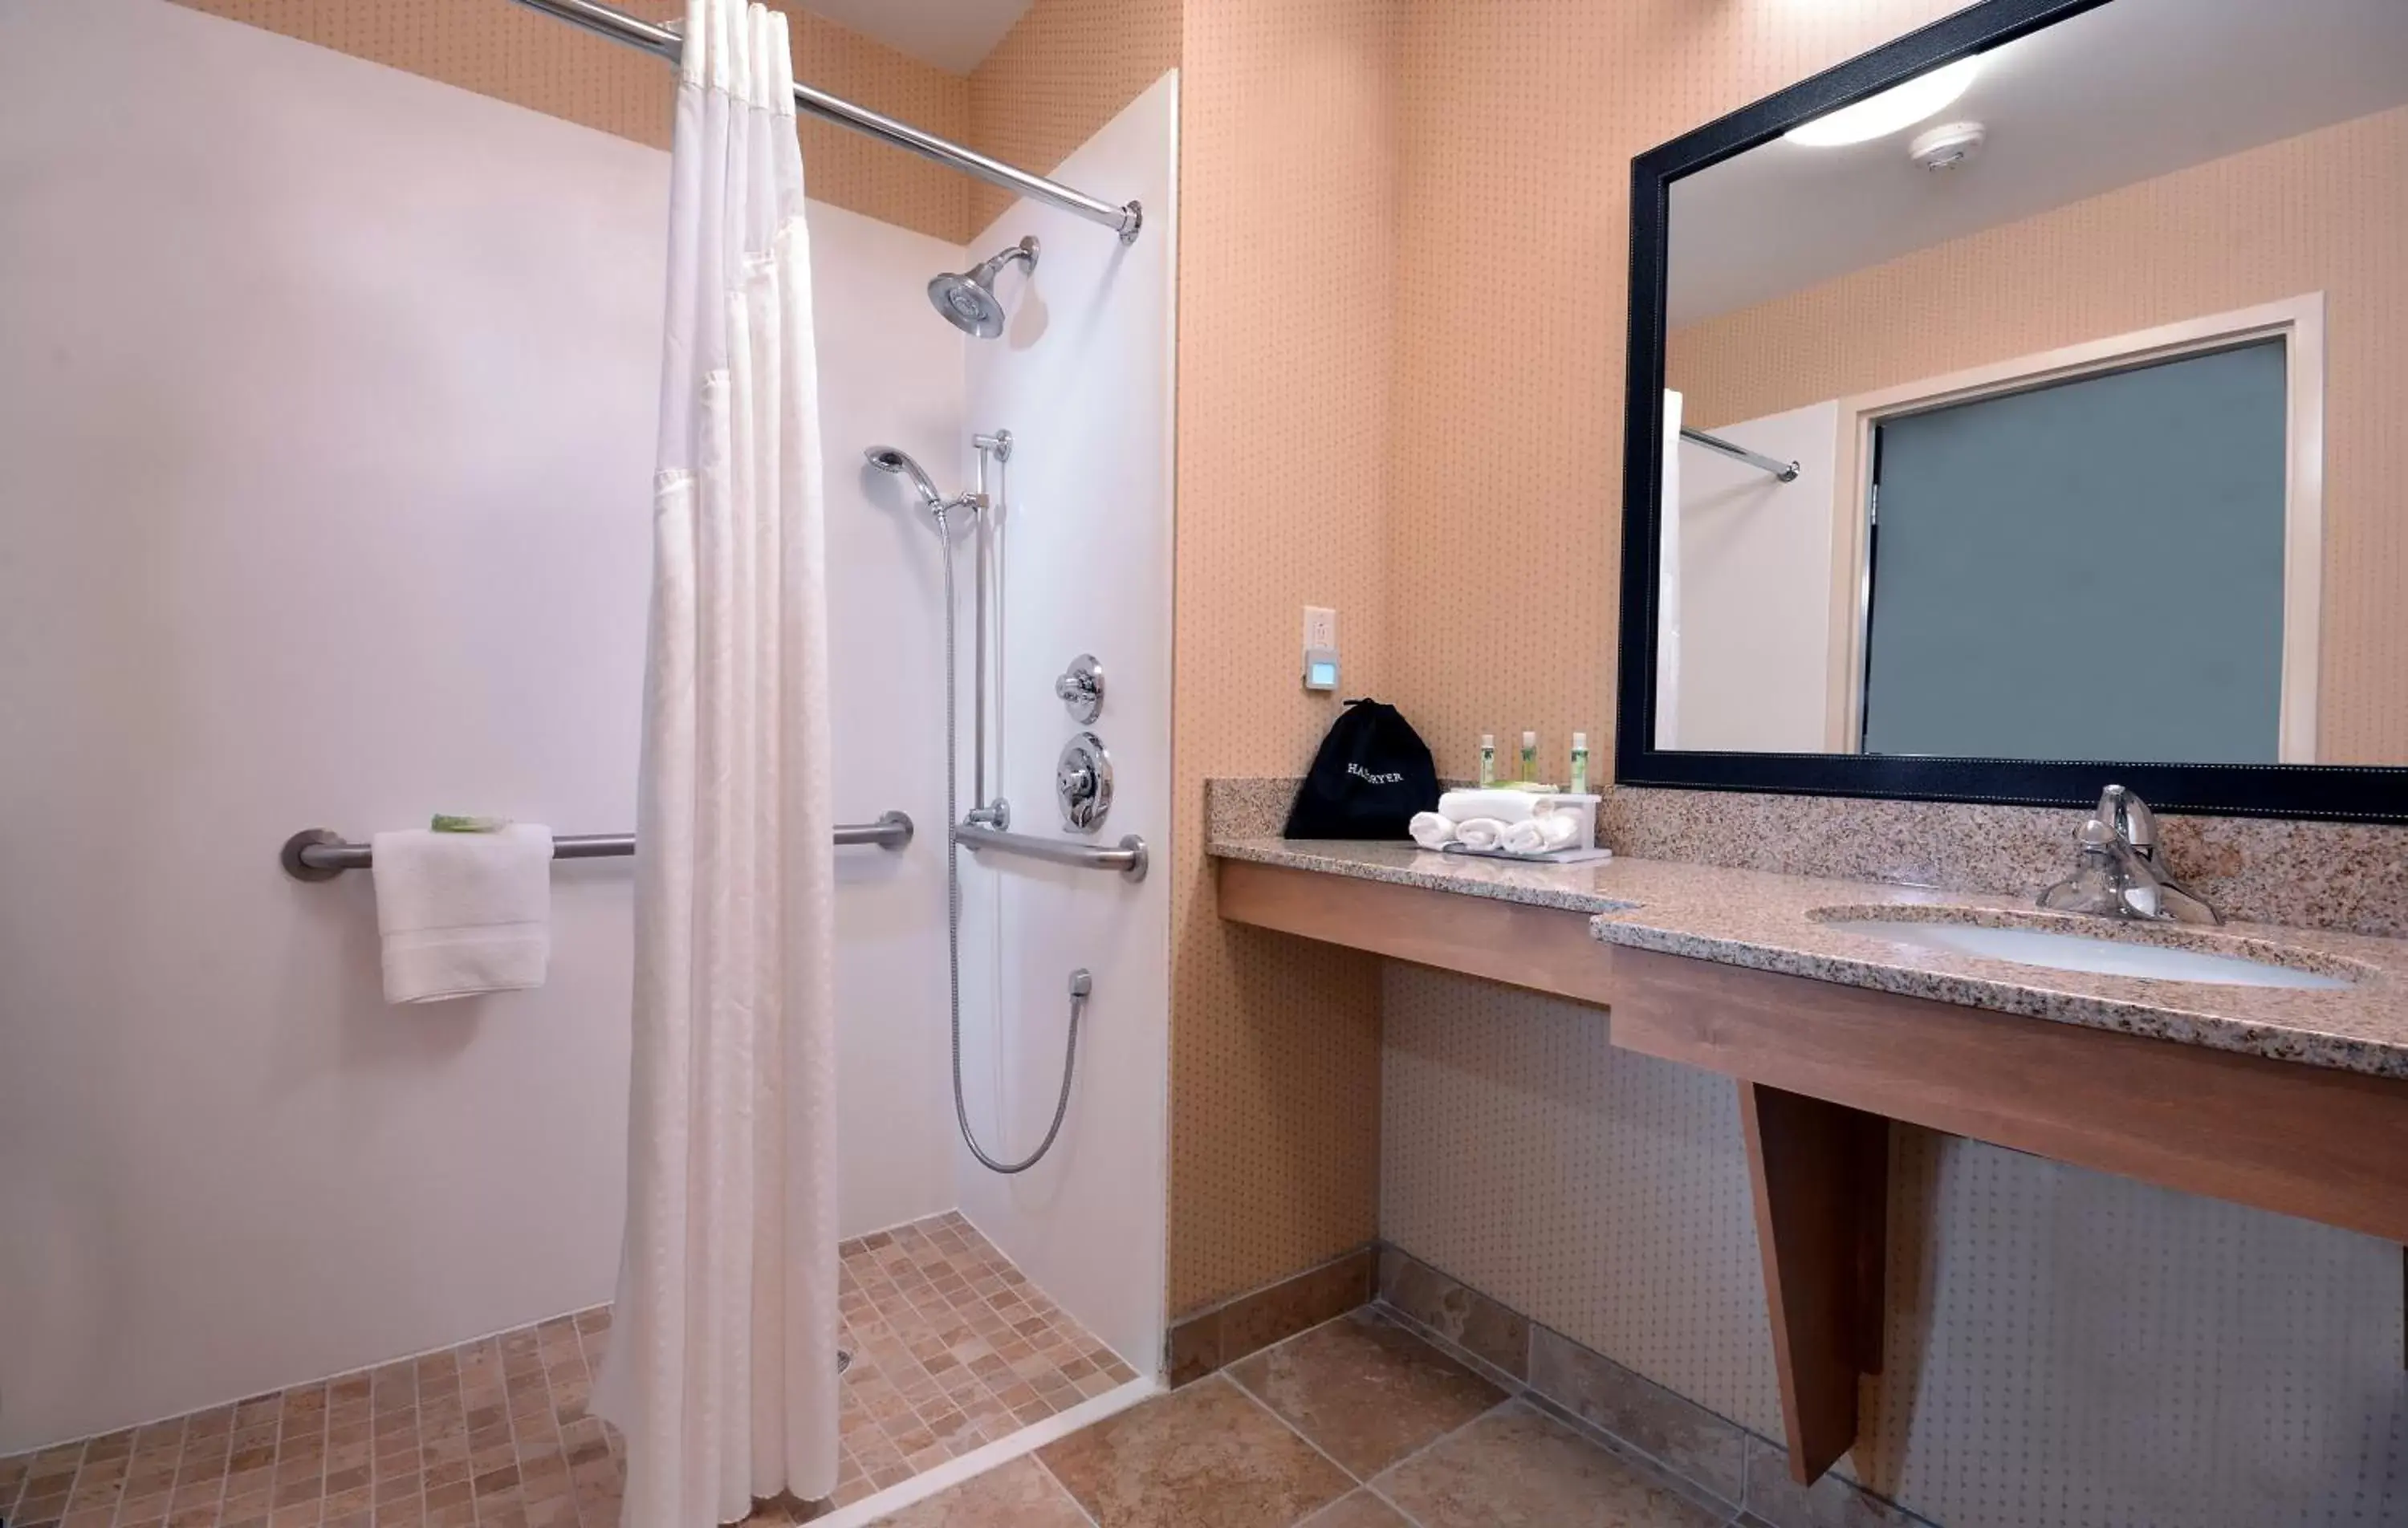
(887,459)
(968,297)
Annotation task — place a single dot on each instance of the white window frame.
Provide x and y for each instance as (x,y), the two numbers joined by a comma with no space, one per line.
(2298,322)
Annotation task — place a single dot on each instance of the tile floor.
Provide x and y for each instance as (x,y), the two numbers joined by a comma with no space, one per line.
(953,1348)
(1356,1423)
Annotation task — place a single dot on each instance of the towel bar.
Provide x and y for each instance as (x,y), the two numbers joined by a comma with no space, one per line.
(317,854)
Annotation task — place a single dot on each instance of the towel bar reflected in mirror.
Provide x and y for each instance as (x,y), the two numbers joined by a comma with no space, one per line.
(318,854)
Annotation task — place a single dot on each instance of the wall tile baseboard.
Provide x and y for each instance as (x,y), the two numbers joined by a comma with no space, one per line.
(1621,1409)
(1210,1340)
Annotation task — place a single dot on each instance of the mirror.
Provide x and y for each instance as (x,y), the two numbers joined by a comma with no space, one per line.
(2030,392)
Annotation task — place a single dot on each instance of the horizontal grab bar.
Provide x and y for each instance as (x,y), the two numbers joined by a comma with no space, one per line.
(1128,857)
(317,854)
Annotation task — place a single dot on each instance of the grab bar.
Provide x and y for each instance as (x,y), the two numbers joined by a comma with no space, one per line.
(1128,857)
(317,854)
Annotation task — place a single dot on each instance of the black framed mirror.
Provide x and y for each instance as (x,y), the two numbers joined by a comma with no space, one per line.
(2015,408)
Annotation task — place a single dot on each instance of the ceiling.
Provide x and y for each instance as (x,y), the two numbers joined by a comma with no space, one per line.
(2132,90)
(953,35)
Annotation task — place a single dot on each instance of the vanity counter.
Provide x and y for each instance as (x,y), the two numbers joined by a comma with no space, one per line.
(1759,919)
(2292,1100)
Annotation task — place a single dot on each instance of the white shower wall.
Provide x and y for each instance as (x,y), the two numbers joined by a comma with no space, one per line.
(328,403)
(1083,379)
(1755,607)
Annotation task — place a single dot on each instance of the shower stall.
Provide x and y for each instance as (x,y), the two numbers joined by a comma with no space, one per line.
(392,353)
(1012,507)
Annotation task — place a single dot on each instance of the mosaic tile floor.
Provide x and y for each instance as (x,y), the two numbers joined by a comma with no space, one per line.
(953,1349)
(1356,1423)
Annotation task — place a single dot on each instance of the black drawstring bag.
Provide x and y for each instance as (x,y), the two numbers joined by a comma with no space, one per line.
(1373,772)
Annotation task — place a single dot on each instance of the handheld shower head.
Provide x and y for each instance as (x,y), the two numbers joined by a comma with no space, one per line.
(887,459)
(967,299)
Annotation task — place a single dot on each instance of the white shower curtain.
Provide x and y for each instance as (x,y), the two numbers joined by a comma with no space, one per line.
(721,1369)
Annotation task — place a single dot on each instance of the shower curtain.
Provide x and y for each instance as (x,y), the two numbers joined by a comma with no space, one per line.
(721,1368)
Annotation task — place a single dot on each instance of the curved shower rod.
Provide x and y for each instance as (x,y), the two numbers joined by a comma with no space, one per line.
(665,42)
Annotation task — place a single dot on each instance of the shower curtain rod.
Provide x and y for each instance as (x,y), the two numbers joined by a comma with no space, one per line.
(665,42)
(1781,471)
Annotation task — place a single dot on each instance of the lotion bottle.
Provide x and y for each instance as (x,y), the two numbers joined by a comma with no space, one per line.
(1487,760)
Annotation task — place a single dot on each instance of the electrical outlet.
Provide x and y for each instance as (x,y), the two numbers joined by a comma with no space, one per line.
(1320,648)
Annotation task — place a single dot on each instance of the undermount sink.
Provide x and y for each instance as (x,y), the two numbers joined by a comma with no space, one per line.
(2100,954)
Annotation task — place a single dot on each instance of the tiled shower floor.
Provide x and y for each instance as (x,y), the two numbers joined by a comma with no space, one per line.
(953,1349)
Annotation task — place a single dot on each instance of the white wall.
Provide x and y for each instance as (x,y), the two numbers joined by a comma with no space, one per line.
(890,375)
(328,404)
(1082,381)
(1756,587)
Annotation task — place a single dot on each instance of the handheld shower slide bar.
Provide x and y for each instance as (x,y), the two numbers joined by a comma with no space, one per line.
(317,854)
(665,42)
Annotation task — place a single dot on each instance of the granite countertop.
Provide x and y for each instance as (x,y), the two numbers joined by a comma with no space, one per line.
(1761,919)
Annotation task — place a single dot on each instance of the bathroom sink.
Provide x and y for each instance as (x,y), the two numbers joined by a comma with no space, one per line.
(2096,954)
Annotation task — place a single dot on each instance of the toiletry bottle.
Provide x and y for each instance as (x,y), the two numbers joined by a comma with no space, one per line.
(1530,757)
(1487,760)
(1579,763)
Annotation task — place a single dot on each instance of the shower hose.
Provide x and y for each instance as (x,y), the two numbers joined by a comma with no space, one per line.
(954,918)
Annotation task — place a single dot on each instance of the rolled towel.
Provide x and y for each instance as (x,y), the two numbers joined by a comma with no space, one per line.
(1480,833)
(1560,828)
(1431,831)
(1459,806)
(463,912)
(1524,837)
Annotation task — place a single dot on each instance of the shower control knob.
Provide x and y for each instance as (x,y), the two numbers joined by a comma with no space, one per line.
(1083,780)
(1080,688)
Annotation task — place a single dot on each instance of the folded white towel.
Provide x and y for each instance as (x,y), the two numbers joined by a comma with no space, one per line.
(463,912)
(1479,833)
(1498,806)
(1431,831)
(1523,837)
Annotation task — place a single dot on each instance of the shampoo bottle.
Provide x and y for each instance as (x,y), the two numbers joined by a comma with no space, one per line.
(1530,756)
(1487,760)
(1579,763)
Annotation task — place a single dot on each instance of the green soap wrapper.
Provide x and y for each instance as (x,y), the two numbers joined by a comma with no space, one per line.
(446,823)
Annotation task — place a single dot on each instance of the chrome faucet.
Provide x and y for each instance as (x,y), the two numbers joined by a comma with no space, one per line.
(2119,874)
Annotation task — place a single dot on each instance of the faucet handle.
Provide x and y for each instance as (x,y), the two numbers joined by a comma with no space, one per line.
(2129,818)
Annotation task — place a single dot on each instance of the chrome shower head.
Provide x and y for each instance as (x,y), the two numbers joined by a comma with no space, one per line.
(967,298)
(887,459)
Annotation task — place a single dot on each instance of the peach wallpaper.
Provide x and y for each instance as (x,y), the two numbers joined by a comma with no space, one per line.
(2322,213)
(1521,121)
(1401,330)
(515,55)
(1288,213)
(1064,70)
